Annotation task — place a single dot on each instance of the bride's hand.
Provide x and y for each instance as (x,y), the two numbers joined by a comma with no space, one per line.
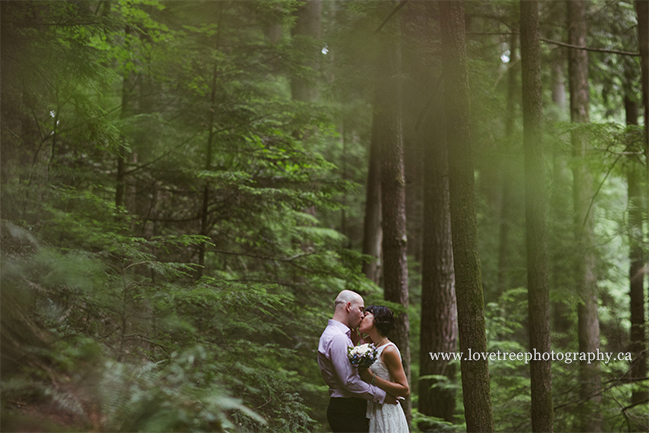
(365,374)
(356,336)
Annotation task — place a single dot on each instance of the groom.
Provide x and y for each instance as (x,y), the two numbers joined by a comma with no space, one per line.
(346,411)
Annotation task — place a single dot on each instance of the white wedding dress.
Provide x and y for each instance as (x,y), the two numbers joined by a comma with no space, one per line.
(385,418)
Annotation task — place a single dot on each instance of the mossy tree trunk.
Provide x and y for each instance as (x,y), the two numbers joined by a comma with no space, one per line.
(638,338)
(438,303)
(637,260)
(586,280)
(642,9)
(468,276)
(388,127)
(538,293)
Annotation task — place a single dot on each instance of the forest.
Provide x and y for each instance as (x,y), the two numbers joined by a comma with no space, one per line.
(187,185)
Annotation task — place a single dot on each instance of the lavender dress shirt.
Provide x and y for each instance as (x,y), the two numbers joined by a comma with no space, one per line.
(338,373)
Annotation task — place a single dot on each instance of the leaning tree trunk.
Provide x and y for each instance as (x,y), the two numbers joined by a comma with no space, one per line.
(636,272)
(587,317)
(393,188)
(438,304)
(538,293)
(468,276)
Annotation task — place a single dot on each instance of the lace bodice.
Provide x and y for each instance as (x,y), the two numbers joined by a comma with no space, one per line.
(379,368)
(385,418)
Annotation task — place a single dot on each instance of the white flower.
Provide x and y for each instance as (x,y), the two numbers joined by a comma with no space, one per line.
(362,356)
(362,349)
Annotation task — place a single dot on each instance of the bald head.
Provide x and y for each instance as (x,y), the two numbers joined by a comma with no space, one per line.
(349,308)
(347,296)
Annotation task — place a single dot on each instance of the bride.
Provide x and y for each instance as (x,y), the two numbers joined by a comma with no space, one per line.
(386,372)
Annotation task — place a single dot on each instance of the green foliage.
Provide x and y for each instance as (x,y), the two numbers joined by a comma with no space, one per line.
(109,300)
(425,423)
(181,395)
(221,327)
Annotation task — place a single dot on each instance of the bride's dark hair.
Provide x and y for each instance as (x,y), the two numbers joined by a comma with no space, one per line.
(383,318)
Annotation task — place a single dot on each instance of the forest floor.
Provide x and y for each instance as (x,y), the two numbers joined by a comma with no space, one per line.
(39,417)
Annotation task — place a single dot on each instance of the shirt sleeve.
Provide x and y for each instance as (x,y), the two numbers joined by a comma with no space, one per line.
(348,374)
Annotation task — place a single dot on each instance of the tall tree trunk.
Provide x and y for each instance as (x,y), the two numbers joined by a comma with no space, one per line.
(588,320)
(558,85)
(273,28)
(209,150)
(415,90)
(306,30)
(468,276)
(393,188)
(538,294)
(638,340)
(438,303)
(636,271)
(507,199)
(206,187)
(343,162)
(128,85)
(642,9)
(558,208)
(560,275)
(372,233)
(303,86)
(29,137)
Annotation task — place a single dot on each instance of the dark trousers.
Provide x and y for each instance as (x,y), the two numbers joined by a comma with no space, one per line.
(348,415)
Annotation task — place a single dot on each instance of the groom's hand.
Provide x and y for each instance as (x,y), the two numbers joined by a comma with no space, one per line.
(365,374)
(390,399)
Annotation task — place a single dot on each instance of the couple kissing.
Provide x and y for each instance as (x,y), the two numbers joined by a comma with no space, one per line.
(362,399)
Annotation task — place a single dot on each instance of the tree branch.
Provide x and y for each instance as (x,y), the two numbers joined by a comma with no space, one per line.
(596,50)
(401,4)
(638,403)
(562,44)
(141,338)
(590,206)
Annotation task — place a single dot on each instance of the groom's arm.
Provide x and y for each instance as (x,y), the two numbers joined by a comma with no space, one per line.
(348,375)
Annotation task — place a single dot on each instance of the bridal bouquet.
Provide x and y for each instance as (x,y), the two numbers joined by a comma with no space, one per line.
(363,355)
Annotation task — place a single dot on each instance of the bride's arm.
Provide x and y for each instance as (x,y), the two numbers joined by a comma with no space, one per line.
(392,360)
